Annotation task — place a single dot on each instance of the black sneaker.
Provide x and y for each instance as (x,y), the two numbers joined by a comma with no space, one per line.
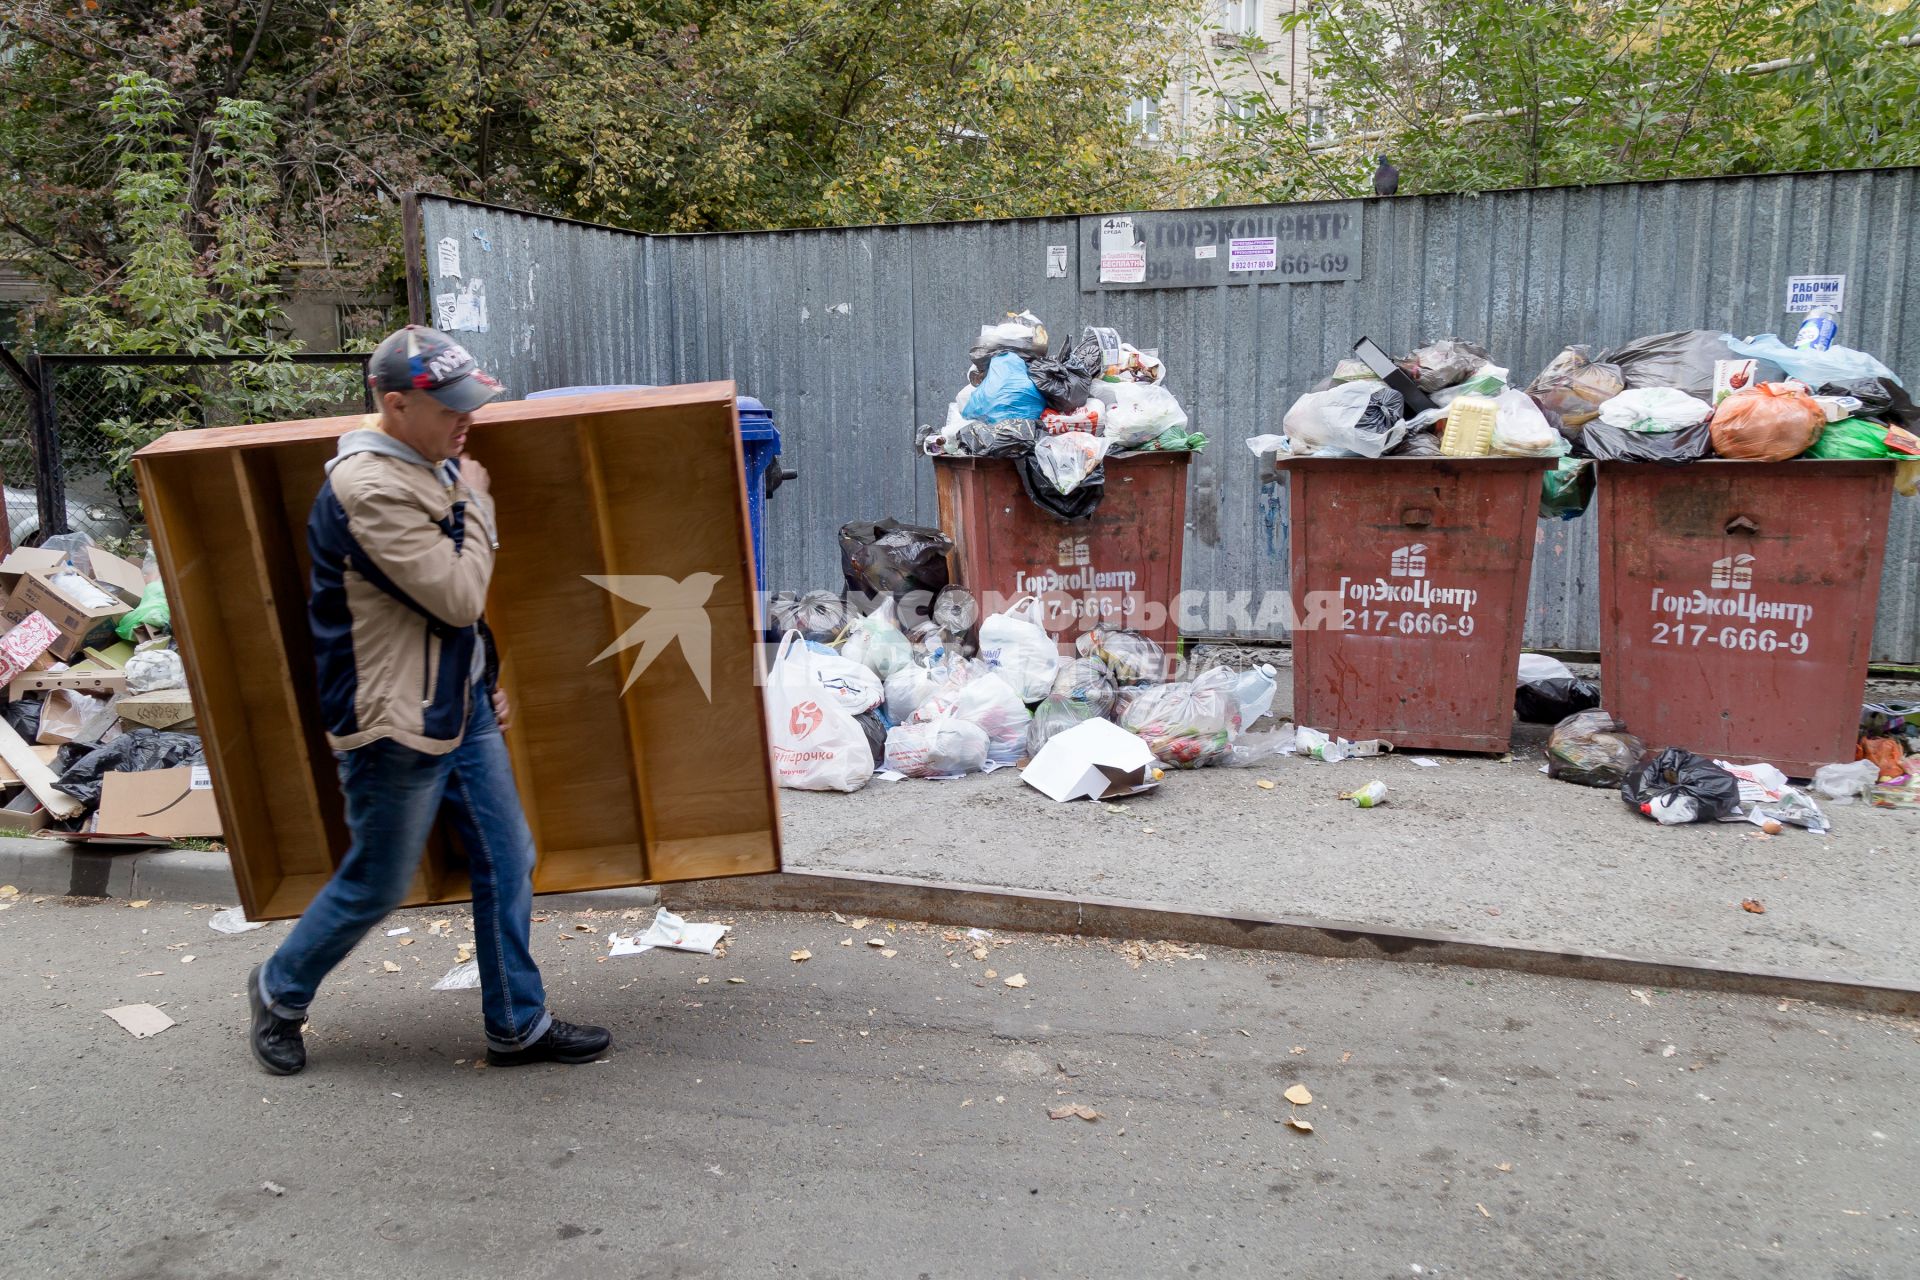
(563,1042)
(277,1043)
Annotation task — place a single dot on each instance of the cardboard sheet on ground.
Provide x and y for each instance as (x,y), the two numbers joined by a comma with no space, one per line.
(1096,760)
(670,931)
(162,804)
(140,1020)
(622,604)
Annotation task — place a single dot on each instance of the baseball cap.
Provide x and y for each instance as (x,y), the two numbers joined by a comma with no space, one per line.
(418,358)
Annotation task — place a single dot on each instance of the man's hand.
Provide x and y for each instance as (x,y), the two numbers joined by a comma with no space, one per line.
(501,710)
(475,476)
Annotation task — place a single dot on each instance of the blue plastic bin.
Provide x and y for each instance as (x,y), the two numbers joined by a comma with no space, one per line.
(760,445)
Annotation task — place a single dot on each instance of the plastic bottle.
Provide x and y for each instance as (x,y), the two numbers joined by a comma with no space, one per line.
(1818,330)
(1371,796)
(1253,691)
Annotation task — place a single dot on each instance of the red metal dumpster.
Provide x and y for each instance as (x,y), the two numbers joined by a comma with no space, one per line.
(1409,580)
(1737,604)
(1119,567)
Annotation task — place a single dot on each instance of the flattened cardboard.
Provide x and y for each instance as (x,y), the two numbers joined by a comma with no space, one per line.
(27,560)
(1096,760)
(123,578)
(161,710)
(160,804)
(9,779)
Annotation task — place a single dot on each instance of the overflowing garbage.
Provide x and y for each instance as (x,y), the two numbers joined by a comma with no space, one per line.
(1675,398)
(97,734)
(1060,417)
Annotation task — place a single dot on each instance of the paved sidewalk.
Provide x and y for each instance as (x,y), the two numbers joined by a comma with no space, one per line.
(861,1114)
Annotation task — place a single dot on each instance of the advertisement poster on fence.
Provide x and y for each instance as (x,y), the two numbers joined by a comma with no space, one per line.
(1805,293)
(1258,253)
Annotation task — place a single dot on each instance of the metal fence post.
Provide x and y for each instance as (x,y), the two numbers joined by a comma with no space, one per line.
(50,482)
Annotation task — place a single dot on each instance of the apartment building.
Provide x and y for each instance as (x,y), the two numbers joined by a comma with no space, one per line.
(1235,48)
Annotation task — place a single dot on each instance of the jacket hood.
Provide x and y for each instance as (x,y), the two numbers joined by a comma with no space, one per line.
(367,440)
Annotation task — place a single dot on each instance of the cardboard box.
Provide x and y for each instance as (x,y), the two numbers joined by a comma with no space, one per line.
(23,647)
(24,561)
(123,578)
(1097,760)
(1730,376)
(161,710)
(160,804)
(80,622)
(24,822)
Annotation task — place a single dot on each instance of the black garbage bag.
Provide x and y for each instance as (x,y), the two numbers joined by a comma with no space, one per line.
(1008,438)
(1547,692)
(1061,385)
(875,728)
(1592,749)
(1417,444)
(135,751)
(890,558)
(1067,507)
(1880,398)
(1676,786)
(24,715)
(817,615)
(1617,444)
(1683,359)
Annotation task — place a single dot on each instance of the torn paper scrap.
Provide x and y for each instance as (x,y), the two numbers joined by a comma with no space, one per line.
(670,931)
(139,1020)
(233,920)
(460,978)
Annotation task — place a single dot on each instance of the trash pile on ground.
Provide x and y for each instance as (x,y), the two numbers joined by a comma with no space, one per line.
(97,736)
(1061,416)
(1669,397)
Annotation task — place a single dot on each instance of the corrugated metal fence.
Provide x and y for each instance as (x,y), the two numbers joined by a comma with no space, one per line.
(854,337)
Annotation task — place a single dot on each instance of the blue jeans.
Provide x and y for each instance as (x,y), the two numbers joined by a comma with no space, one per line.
(394,794)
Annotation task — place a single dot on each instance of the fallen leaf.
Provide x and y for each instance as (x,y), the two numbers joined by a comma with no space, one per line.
(1243,1031)
(846,942)
(462,953)
(1073,1109)
(1304,1126)
(390,966)
(803,1042)
(1017,980)
(993,973)
(1504,1168)
(1298,1095)
(1753,905)
(586,928)
(837,917)
(407,942)
(155,973)
(861,923)
(801,954)
(1347,1057)
(1299,1048)
(865,1034)
(1264,785)
(273,1188)
(1669,1051)
(979,953)
(8,891)
(1641,996)
(188,959)
(1482,1208)
(889,952)
(876,942)
(1854,1213)
(139,902)
(1493,911)
(1146,831)
(736,981)
(702,980)
(440,927)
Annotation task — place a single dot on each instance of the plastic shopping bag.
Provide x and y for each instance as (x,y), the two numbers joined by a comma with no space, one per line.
(877,643)
(1082,691)
(1006,392)
(1187,724)
(1363,418)
(942,747)
(975,694)
(1067,460)
(1678,786)
(1592,749)
(1016,645)
(1522,431)
(850,685)
(1575,385)
(1654,409)
(1138,412)
(1131,657)
(910,686)
(817,744)
(1772,422)
(1811,365)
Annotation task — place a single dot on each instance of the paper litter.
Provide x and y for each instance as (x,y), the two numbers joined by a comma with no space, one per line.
(670,931)
(233,920)
(140,1020)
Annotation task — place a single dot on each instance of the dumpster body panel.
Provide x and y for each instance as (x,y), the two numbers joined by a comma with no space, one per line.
(1409,580)
(1737,604)
(1120,567)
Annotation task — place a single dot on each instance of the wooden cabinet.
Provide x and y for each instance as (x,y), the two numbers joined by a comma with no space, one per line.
(660,781)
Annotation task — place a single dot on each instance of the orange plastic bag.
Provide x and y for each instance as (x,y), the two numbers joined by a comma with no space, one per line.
(1886,753)
(1769,423)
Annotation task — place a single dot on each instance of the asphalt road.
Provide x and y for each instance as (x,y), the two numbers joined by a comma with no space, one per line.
(863,1114)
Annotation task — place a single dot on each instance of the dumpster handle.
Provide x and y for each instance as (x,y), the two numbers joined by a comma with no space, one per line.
(1743,524)
(1417,517)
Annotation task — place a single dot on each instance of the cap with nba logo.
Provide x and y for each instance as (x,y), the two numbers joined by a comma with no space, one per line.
(417,358)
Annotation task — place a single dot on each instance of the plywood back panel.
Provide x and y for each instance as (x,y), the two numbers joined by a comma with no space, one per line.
(622,785)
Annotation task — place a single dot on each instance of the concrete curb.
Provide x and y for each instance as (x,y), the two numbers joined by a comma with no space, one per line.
(986,906)
(190,875)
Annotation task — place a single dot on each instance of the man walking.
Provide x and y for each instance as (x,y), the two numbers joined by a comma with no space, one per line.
(402,541)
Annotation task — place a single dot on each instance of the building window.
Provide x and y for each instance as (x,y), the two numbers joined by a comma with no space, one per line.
(1144,115)
(1241,17)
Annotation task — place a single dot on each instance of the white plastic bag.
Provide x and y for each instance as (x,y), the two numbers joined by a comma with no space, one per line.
(1521,431)
(1840,783)
(852,686)
(154,670)
(1066,460)
(943,747)
(975,694)
(1654,409)
(876,642)
(817,746)
(1139,411)
(910,686)
(1016,645)
(1346,419)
